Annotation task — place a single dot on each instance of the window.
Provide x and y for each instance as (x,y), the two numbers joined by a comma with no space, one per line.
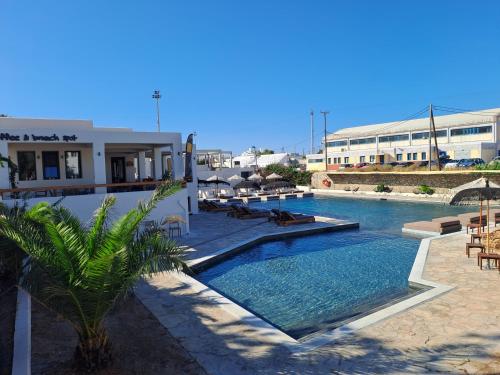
(329,160)
(346,160)
(50,165)
(415,156)
(425,135)
(372,158)
(336,144)
(26,162)
(470,131)
(424,155)
(394,138)
(73,164)
(362,141)
(362,159)
(408,156)
(310,161)
(399,157)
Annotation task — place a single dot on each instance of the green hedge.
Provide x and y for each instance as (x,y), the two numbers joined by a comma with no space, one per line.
(289,174)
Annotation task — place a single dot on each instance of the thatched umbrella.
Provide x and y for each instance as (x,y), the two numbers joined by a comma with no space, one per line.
(474,193)
(274,176)
(255,177)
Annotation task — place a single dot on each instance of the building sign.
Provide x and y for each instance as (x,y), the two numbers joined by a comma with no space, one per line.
(35,138)
(188,161)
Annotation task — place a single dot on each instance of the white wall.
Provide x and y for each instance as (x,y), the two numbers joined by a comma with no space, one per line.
(84,206)
(87,163)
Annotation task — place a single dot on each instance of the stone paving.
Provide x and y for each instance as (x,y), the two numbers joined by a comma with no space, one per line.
(458,332)
(212,231)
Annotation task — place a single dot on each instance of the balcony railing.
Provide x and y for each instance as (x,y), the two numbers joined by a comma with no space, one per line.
(66,190)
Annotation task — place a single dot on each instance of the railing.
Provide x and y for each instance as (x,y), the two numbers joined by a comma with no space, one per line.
(66,190)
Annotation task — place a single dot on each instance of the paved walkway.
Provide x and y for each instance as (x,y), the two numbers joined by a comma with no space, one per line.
(215,231)
(458,332)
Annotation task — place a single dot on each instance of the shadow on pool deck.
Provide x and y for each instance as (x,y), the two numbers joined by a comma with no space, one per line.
(224,345)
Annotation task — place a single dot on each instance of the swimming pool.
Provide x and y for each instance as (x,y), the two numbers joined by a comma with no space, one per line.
(306,284)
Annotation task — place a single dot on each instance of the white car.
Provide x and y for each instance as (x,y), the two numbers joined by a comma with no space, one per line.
(452,164)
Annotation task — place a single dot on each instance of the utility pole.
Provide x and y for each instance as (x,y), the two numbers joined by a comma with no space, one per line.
(430,137)
(156,95)
(312,131)
(255,156)
(325,113)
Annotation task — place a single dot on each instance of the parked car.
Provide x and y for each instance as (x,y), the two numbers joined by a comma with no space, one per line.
(468,163)
(361,165)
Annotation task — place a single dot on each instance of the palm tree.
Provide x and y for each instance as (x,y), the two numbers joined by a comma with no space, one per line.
(81,271)
(10,254)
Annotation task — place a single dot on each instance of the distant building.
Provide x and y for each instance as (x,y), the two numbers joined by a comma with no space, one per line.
(261,161)
(459,136)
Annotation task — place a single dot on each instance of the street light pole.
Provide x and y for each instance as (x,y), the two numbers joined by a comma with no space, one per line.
(255,157)
(325,113)
(156,95)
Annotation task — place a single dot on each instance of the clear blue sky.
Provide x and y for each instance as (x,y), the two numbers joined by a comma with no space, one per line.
(245,73)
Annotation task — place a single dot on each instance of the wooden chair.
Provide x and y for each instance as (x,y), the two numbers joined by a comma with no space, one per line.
(469,246)
(488,256)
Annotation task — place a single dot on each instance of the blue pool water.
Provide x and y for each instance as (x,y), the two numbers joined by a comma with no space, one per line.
(305,284)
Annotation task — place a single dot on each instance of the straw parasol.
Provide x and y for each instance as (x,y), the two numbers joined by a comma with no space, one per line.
(278,185)
(478,191)
(274,176)
(246,185)
(255,177)
(234,179)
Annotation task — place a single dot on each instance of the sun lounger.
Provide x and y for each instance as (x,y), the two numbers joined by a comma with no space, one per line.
(285,218)
(437,226)
(216,207)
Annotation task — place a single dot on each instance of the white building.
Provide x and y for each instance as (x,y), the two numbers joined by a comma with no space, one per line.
(251,160)
(72,158)
(460,136)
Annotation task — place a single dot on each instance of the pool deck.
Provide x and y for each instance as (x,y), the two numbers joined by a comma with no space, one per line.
(457,332)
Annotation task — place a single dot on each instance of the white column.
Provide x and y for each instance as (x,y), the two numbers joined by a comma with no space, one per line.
(141,163)
(157,163)
(178,167)
(4,171)
(99,160)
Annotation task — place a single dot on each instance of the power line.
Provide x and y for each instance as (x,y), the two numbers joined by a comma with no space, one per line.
(470,112)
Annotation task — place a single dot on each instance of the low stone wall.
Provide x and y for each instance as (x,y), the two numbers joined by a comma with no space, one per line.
(404,182)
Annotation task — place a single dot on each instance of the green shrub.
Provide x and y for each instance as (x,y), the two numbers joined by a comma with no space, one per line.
(424,189)
(381,188)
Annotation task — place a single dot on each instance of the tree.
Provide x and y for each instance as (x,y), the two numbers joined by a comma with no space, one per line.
(289,174)
(265,152)
(81,272)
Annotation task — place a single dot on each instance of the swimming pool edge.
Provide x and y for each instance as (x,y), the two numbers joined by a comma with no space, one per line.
(297,347)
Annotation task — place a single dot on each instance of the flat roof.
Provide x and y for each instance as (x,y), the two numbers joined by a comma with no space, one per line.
(486,116)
